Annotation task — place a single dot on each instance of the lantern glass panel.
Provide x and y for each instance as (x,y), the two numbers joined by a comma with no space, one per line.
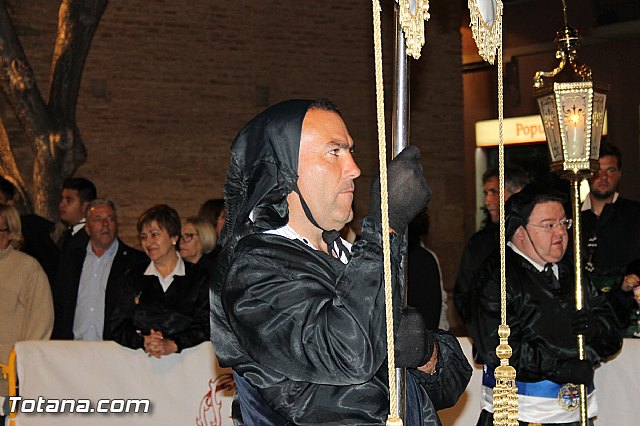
(573,109)
(597,123)
(547,106)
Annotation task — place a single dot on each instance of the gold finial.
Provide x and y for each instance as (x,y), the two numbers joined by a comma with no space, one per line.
(505,397)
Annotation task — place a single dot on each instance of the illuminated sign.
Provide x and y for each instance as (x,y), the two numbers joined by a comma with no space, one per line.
(516,130)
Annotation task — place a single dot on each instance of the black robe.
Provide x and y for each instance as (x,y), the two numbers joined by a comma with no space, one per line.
(539,319)
(309,333)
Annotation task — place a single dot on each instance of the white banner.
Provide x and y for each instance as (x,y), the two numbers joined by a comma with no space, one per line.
(188,388)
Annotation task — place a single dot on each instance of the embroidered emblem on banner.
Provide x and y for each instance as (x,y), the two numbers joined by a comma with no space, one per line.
(569,397)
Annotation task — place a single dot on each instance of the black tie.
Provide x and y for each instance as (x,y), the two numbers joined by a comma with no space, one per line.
(550,277)
(331,237)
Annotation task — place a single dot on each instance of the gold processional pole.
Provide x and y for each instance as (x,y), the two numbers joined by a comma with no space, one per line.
(573,117)
(411,15)
(486,25)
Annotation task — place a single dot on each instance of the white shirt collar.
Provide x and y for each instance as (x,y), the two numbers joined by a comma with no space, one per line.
(288,232)
(78,226)
(586,205)
(109,252)
(166,281)
(535,264)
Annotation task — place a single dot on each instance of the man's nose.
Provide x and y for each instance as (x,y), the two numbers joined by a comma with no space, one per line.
(489,199)
(560,230)
(352,170)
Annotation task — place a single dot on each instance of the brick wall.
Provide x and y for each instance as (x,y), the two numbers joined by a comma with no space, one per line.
(168,83)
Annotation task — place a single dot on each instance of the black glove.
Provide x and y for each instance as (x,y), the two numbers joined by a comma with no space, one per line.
(576,371)
(413,342)
(585,323)
(407,187)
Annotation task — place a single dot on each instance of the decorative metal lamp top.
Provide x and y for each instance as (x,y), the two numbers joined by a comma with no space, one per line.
(567,43)
(572,111)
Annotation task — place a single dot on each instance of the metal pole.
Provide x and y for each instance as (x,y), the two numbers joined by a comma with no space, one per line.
(575,194)
(399,141)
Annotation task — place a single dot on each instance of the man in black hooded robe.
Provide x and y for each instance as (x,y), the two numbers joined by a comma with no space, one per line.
(296,312)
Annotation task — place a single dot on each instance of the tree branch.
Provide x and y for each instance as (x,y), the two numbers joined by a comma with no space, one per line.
(77,23)
(18,83)
(9,168)
(51,129)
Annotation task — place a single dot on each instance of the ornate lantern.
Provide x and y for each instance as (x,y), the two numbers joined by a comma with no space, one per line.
(573,116)
(572,112)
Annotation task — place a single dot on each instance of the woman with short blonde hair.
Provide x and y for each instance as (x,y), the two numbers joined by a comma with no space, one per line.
(197,239)
(12,225)
(26,307)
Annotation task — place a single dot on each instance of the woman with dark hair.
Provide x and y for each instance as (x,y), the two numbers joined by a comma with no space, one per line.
(164,306)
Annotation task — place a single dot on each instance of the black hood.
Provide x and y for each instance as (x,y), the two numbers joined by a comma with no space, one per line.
(263,170)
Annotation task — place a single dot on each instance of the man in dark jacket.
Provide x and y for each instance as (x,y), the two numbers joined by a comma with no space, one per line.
(541,315)
(297,314)
(87,290)
(611,233)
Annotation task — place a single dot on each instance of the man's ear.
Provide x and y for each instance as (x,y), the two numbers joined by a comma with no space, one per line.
(519,234)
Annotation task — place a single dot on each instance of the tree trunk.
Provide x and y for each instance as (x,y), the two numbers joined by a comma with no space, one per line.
(50,128)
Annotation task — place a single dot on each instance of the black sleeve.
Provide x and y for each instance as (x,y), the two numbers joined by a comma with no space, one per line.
(199,328)
(122,328)
(622,304)
(452,375)
(610,340)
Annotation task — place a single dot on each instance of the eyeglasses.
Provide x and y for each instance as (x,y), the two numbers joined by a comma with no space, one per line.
(187,237)
(5,230)
(549,227)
